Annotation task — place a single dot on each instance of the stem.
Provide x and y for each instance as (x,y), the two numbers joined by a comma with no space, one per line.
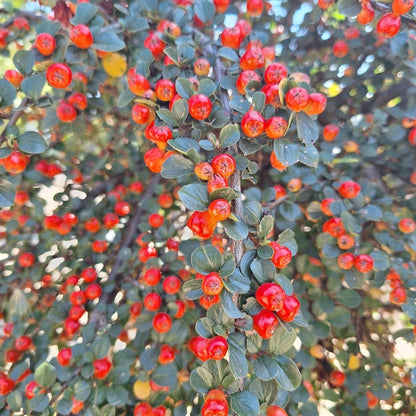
(99,317)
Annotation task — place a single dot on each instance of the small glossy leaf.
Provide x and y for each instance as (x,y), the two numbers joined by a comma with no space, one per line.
(7,93)
(229,306)
(194,196)
(176,166)
(32,142)
(45,374)
(7,193)
(24,61)
(84,13)
(229,135)
(206,259)
(265,368)
(108,42)
(205,10)
(32,86)
(288,376)
(237,354)
(307,128)
(245,403)
(263,270)
(180,110)
(237,230)
(192,289)
(184,88)
(286,153)
(207,87)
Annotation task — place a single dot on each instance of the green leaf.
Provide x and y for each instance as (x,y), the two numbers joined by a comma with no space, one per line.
(349,8)
(84,13)
(207,87)
(235,230)
(237,282)
(24,61)
(101,346)
(48,26)
(286,236)
(202,380)
(180,110)
(205,11)
(75,55)
(206,259)
(45,374)
(176,166)
(194,196)
(64,406)
(82,390)
(229,135)
(354,279)
(265,252)
(223,193)
(286,153)
(7,93)
(282,340)
(340,317)
(39,403)
(307,128)
(349,298)
(184,145)
(231,55)
(266,226)
(7,193)
(192,289)
(117,395)
(237,354)
(265,368)
(229,306)
(308,155)
(288,376)
(14,400)
(265,391)
(252,212)
(108,42)
(32,142)
(167,116)
(165,375)
(184,88)
(350,223)
(258,99)
(372,213)
(381,260)
(263,270)
(245,403)
(32,86)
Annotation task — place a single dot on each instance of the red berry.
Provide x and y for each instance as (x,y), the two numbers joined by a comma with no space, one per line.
(171,285)
(81,36)
(23,343)
(64,356)
(152,301)
(282,256)
(212,284)
(102,367)
(276,410)
(59,75)
(389,25)
(337,378)
(45,43)
(265,323)
(346,261)
(224,165)
(217,347)
(289,309)
(220,209)
(349,189)
(200,106)
(297,99)
(253,123)
(275,127)
(340,48)
(271,296)
(162,322)
(364,263)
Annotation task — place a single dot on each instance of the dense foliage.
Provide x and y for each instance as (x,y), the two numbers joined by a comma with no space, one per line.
(207,207)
